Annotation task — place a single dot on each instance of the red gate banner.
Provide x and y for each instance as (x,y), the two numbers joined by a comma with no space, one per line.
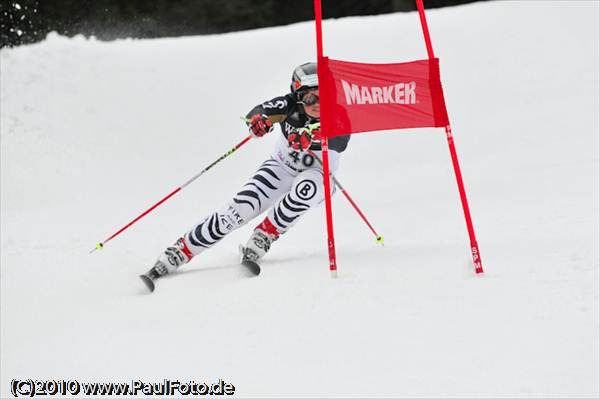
(368,97)
(358,97)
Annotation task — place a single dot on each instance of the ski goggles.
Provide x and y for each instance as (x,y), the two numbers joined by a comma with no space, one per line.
(309,99)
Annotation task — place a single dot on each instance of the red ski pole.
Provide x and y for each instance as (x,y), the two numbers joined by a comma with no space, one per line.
(379,238)
(100,245)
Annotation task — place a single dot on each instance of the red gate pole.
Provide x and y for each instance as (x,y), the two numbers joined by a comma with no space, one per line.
(324,144)
(465,203)
(461,187)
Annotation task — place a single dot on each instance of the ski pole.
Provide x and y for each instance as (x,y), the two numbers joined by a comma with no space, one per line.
(100,245)
(379,238)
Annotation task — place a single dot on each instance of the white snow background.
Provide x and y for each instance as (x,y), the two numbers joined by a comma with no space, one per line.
(93,133)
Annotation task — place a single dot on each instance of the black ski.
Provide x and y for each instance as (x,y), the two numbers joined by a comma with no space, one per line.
(148,281)
(251,265)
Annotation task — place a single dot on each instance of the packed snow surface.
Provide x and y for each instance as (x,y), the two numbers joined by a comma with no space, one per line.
(93,133)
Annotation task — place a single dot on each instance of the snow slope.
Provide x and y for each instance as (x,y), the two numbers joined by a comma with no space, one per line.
(92,133)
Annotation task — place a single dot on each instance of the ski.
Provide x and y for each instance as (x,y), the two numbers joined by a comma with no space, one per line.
(252,266)
(246,256)
(148,282)
(246,261)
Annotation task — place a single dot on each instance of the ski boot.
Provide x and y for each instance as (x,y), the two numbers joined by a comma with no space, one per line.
(258,245)
(167,262)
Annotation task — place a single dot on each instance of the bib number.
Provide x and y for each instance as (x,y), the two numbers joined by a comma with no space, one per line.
(307,159)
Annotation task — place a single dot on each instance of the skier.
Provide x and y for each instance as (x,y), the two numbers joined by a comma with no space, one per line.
(289,183)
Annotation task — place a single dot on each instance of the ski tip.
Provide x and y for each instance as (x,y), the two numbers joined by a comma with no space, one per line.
(147,282)
(253,267)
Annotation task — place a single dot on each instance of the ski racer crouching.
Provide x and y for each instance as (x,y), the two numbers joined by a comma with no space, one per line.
(288,184)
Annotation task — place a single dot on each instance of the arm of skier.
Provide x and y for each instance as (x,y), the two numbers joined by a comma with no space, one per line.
(261,118)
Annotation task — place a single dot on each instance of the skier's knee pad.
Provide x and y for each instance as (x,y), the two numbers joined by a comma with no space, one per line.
(231,217)
(214,227)
(308,188)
